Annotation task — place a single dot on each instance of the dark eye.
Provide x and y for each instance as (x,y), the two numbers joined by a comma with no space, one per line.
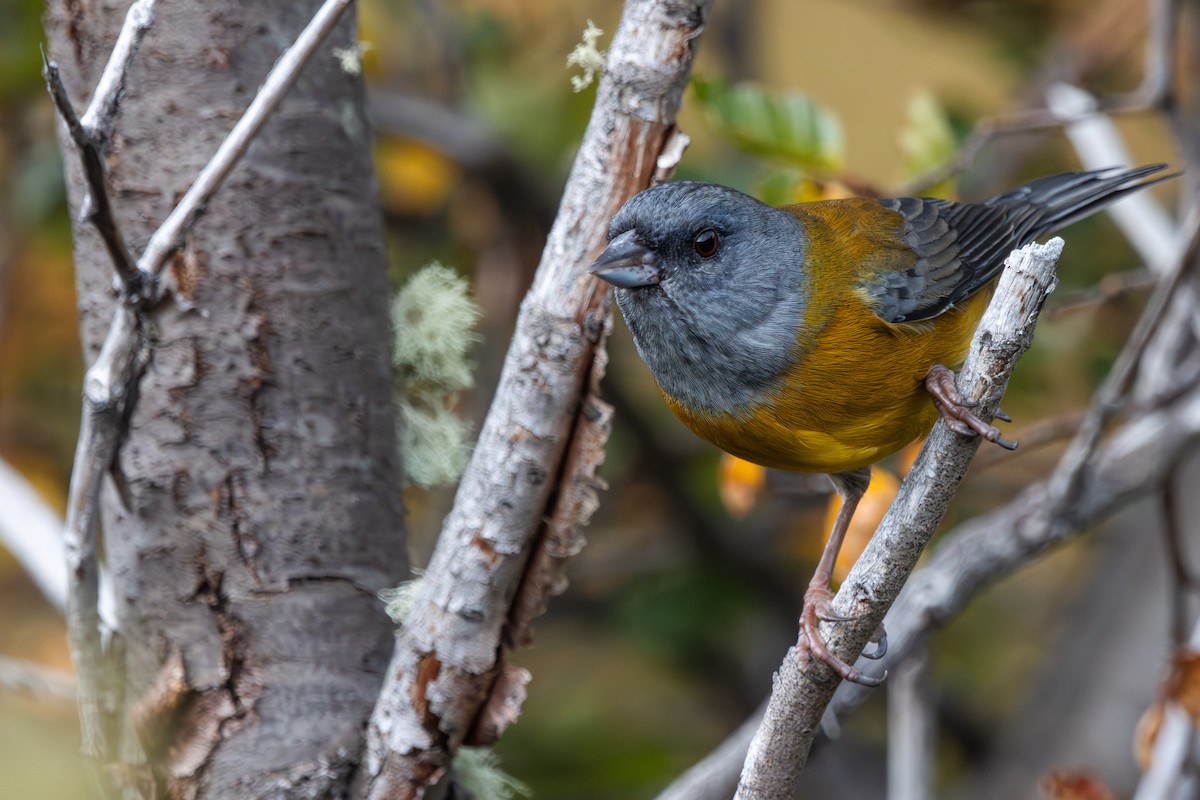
(707,243)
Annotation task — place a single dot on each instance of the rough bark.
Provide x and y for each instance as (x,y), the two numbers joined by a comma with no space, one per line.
(539,446)
(262,510)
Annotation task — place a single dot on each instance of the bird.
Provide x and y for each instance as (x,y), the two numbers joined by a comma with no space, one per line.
(823,336)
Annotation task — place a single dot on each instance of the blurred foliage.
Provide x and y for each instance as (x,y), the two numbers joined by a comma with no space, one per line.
(665,640)
(778,125)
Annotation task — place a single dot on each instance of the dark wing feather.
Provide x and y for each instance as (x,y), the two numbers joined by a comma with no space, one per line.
(961,247)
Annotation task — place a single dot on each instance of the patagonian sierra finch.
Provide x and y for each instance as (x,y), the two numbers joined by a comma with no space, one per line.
(811,337)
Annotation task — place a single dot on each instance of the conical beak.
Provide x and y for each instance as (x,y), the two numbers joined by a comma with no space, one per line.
(627,263)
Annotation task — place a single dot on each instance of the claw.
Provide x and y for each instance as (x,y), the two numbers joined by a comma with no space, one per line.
(816,608)
(880,645)
(955,409)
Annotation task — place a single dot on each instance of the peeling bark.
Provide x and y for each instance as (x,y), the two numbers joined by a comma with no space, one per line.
(526,489)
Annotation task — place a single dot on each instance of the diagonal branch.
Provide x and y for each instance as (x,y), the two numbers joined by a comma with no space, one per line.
(802,690)
(90,133)
(1133,464)
(106,383)
(451,654)
(102,111)
(97,208)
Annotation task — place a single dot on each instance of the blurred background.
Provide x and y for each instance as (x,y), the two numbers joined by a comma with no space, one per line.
(686,597)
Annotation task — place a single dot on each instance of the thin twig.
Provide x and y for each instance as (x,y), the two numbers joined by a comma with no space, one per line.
(1037,434)
(803,689)
(1151,95)
(1030,121)
(1157,86)
(90,132)
(19,676)
(98,208)
(1106,401)
(1109,288)
(32,532)
(1133,463)
(98,119)
(105,385)
(282,77)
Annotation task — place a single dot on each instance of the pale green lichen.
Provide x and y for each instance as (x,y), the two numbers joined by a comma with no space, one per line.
(478,770)
(399,601)
(434,321)
(587,57)
(434,442)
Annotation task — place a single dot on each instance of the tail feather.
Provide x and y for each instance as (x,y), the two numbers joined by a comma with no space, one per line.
(981,235)
(1056,201)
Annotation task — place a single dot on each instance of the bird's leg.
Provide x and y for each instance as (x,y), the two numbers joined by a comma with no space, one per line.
(817,598)
(956,409)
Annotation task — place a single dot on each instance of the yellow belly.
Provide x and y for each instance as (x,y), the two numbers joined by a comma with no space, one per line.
(855,397)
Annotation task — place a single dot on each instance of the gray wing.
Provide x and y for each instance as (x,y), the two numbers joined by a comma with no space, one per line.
(961,247)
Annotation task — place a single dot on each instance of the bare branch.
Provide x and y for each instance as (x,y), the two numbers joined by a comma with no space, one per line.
(1134,463)
(98,207)
(451,649)
(1106,401)
(910,730)
(98,119)
(26,677)
(32,532)
(105,386)
(802,690)
(281,78)
(1098,143)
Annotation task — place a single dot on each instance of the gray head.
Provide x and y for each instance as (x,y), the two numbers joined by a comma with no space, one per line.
(710,283)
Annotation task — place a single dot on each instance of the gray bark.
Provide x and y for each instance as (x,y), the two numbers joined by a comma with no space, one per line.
(263,509)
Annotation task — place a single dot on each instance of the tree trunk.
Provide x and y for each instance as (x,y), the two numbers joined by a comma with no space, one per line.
(262,510)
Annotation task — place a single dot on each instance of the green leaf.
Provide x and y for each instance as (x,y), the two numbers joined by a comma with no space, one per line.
(927,140)
(783,125)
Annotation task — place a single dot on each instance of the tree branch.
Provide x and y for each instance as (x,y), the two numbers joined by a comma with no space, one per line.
(526,463)
(32,531)
(802,690)
(106,384)
(97,120)
(988,548)
(27,677)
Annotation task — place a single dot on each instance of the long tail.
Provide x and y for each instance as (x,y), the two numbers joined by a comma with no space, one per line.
(1054,202)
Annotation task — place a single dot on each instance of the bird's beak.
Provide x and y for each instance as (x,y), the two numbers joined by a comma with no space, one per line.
(627,263)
